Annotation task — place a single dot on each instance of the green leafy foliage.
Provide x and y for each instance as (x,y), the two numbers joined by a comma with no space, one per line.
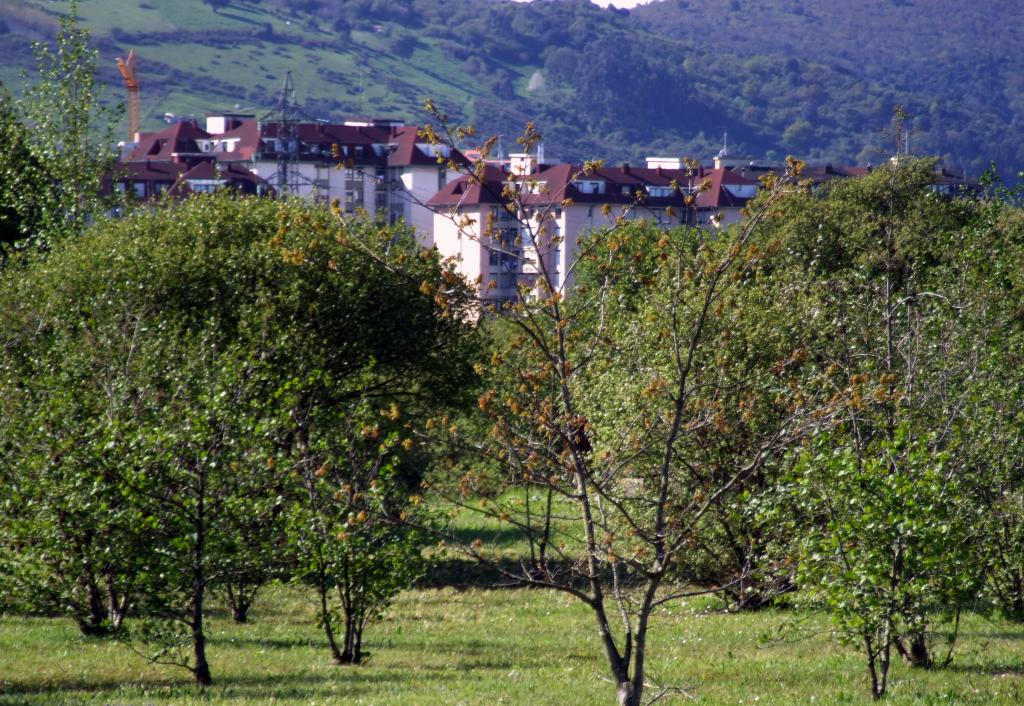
(892,546)
(339,531)
(156,367)
(21,180)
(749,380)
(603,406)
(68,139)
(893,540)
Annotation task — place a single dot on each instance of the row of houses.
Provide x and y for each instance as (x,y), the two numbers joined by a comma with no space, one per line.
(381,166)
(512,220)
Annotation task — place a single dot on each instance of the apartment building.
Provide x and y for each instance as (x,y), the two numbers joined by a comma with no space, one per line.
(381,166)
(522,220)
(477,220)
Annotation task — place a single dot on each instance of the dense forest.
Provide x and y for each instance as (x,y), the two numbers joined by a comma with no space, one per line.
(672,77)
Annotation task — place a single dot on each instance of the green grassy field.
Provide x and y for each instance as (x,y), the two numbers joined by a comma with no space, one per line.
(488,646)
(495,646)
(354,74)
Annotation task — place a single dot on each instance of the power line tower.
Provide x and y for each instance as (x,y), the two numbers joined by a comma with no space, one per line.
(286,117)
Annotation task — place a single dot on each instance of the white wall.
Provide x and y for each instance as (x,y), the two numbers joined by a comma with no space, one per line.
(462,244)
(420,183)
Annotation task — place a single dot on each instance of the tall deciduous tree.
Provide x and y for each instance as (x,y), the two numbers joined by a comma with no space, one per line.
(892,537)
(69,134)
(995,415)
(21,180)
(597,405)
(373,335)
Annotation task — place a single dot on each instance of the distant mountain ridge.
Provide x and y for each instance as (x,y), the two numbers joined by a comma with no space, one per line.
(818,79)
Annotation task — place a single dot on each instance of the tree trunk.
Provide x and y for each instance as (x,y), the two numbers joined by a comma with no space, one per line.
(884,662)
(95,624)
(627,694)
(353,653)
(869,650)
(202,667)
(117,614)
(359,645)
(240,612)
(241,596)
(325,618)
(1013,606)
(917,655)
(117,605)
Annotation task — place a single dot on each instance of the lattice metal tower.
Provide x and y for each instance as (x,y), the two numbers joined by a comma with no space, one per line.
(286,116)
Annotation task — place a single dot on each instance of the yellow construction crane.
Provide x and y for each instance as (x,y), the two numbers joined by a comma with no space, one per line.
(131,82)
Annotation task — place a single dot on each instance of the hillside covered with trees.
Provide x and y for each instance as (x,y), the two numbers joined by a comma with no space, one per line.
(780,76)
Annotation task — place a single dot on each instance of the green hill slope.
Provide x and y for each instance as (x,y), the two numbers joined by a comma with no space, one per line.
(817,79)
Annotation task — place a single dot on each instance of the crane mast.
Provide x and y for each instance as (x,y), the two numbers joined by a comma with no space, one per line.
(127,68)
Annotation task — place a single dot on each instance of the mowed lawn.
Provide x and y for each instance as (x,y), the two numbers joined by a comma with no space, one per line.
(491,647)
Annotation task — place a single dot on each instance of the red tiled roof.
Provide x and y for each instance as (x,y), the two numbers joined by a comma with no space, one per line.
(406,151)
(469,191)
(176,175)
(150,171)
(362,144)
(717,196)
(622,185)
(248,136)
(179,138)
(828,172)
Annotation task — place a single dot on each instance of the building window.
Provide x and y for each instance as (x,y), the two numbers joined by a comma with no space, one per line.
(205,186)
(139,189)
(442,178)
(353,190)
(504,252)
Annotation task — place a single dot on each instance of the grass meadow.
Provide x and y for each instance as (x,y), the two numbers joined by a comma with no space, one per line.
(495,646)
